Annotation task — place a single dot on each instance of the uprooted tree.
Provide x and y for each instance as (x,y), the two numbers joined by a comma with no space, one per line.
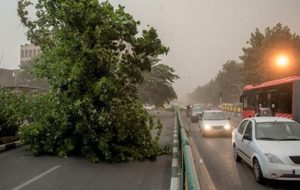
(93,58)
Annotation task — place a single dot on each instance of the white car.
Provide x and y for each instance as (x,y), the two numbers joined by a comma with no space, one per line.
(214,122)
(270,145)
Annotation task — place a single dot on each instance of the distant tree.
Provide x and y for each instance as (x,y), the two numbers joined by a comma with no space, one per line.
(258,59)
(230,79)
(157,85)
(93,58)
(208,93)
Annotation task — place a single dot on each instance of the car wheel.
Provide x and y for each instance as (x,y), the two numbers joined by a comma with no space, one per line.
(257,172)
(236,156)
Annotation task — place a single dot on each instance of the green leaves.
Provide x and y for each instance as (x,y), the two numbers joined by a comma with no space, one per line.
(157,85)
(259,57)
(93,59)
(258,65)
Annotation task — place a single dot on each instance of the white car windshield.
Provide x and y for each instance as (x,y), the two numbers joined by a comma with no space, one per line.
(214,116)
(280,131)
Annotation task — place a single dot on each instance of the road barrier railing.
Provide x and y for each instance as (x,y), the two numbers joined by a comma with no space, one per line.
(188,178)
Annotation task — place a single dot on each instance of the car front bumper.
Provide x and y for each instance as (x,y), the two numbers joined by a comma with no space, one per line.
(282,172)
(213,131)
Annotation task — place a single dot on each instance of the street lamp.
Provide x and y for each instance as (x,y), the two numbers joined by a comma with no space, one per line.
(282,60)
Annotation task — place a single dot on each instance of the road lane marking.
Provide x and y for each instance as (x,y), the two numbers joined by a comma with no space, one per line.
(156,183)
(36,178)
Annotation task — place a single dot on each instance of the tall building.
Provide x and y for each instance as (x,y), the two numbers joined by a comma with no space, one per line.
(28,51)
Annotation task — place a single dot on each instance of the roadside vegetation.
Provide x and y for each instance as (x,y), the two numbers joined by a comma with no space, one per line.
(256,65)
(96,65)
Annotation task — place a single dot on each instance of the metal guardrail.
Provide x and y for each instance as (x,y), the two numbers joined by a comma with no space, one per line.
(188,179)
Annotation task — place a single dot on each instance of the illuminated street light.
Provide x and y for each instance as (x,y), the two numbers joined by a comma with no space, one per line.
(282,60)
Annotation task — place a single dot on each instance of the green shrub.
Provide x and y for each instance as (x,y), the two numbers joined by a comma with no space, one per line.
(9,113)
(117,133)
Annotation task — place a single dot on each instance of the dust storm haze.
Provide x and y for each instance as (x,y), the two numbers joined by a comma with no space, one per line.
(202,34)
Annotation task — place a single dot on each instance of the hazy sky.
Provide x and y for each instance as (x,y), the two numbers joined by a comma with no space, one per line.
(202,34)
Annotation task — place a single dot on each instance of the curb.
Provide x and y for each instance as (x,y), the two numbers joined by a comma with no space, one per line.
(9,146)
(175,179)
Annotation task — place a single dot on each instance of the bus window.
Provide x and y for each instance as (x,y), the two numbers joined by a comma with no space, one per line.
(284,102)
(263,99)
(249,101)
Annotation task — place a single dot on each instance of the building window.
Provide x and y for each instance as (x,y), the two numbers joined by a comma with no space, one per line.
(26,53)
(22,53)
(30,53)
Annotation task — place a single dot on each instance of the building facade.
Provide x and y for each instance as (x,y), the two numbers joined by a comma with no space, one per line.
(28,51)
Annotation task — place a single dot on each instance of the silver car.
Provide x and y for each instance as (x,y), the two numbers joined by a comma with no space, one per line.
(214,122)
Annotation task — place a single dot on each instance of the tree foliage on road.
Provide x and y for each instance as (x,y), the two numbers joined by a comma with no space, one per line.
(93,58)
(157,85)
(257,65)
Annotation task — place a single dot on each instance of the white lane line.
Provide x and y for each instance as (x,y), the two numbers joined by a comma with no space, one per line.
(35,178)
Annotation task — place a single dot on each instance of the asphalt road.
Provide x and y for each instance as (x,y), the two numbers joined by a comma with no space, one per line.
(19,169)
(225,173)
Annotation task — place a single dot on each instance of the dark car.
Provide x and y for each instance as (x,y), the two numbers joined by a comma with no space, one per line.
(196,113)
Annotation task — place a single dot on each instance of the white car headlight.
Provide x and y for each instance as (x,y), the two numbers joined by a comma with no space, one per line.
(273,159)
(227,127)
(207,127)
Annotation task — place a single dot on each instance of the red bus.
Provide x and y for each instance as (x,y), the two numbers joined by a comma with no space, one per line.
(281,96)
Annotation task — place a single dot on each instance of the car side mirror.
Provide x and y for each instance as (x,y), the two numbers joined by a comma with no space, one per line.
(247,137)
